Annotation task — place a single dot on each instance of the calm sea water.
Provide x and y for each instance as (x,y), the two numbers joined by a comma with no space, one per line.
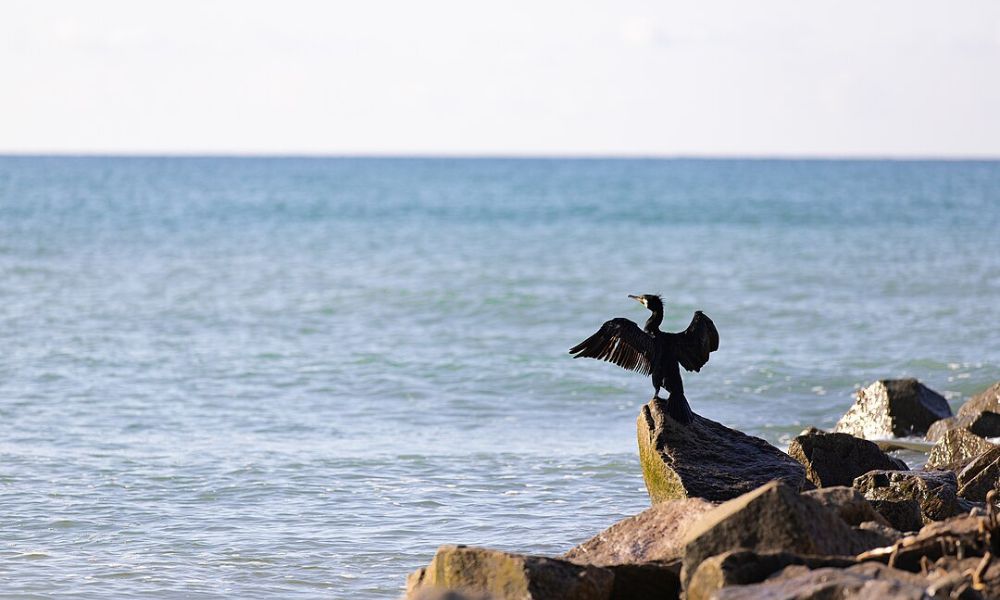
(297,377)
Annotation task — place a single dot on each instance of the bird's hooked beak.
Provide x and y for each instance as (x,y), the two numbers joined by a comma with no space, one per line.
(638,299)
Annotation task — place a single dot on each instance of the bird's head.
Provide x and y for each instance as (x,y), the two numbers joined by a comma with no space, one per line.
(651,301)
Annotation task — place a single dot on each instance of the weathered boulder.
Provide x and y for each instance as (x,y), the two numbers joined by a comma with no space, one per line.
(988,399)
(838,458)
(893,407)
(508,576)
(893,494)
(743,567)
(847,503)
(655,534)
(772,518)
(705,459)
(870,581)
(956,448)
(985,424)
(980,476)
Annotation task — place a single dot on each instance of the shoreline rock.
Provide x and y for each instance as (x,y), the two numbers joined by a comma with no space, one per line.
(837,459)
(893,408)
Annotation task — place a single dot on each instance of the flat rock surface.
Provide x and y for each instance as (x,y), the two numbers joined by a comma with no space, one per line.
(836,459)
(893,408)
(705,459)
(655,534)
(957,448)
(988,399)
(744,567)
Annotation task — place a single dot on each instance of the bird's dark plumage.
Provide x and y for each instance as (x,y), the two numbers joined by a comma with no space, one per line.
(653,352)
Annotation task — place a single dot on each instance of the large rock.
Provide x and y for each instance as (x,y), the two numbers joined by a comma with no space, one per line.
(988,399)
(506,576)
(980,476)
(838,458)
(743,567)
(893,407)
(985,424)
(772,518)
(869,581)
(934,493)
(655,534)
(704,459)
(848,504)
(956,449)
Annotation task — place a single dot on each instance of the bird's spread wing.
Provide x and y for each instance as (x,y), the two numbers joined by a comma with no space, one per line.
(619,341)
(692,346)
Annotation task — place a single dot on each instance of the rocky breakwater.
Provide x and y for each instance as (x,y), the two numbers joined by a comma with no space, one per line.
(734,517)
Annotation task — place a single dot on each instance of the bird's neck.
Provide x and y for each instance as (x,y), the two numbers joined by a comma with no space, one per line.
(653,323)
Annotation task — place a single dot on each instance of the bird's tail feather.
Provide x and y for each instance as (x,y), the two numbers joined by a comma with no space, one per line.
(679,409)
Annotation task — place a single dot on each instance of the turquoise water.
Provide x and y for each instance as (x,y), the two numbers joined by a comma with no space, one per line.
(297,377)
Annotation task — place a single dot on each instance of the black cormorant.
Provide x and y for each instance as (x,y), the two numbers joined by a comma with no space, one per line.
(654,352)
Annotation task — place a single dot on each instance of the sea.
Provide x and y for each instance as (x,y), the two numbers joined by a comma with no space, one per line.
(294,377)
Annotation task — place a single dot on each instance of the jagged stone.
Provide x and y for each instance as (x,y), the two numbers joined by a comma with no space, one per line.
(957,448)
(743,567)
(893,407)
(988,399)
(705,459)
(838,458)
(772,518)
(869,581)
(980,476)
(985,424)
(847,503)
(655,534)
(893,493)
(507,576)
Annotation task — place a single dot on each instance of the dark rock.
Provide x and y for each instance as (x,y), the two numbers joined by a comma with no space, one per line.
(985,424)
(980,476)
(508,576)
(875,534)
(743,567)
(704,459)
(655,534)
(988,399)
(893,492)
(772,518)
(848,503)
(837,458)
(957,448)
(870,581)
(659,581)
(893,407)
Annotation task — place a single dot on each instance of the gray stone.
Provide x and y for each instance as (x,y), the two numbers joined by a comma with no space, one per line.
(957,448)
(985,424)
(837,458)
(893,407)
(705,459)
(743,567)
(934,492)
(869,581)
(988,399)
(847,503)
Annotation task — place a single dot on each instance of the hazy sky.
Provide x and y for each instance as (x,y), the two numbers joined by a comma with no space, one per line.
(843,77)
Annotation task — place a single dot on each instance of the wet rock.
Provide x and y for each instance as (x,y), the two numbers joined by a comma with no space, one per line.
(743,567)
(772,518)
(957,448)
(893,407)
(704,459)
(980,476)
(847,503)
(869,581)
(660,581)
(506,576)
(837,458)
(988,399)
(985,424)
(655,534)
(893,494)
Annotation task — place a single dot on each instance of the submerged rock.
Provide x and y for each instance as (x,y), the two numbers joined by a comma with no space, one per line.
(655,534)
(705,459)
(772,518)
(894,494)
(838,458)
(956,449)
(743,567)
(988,399)
(507,576)
(984,424)
(980,476)
(893,407)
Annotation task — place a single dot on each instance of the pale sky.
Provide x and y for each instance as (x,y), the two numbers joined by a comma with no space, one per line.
(624,77)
